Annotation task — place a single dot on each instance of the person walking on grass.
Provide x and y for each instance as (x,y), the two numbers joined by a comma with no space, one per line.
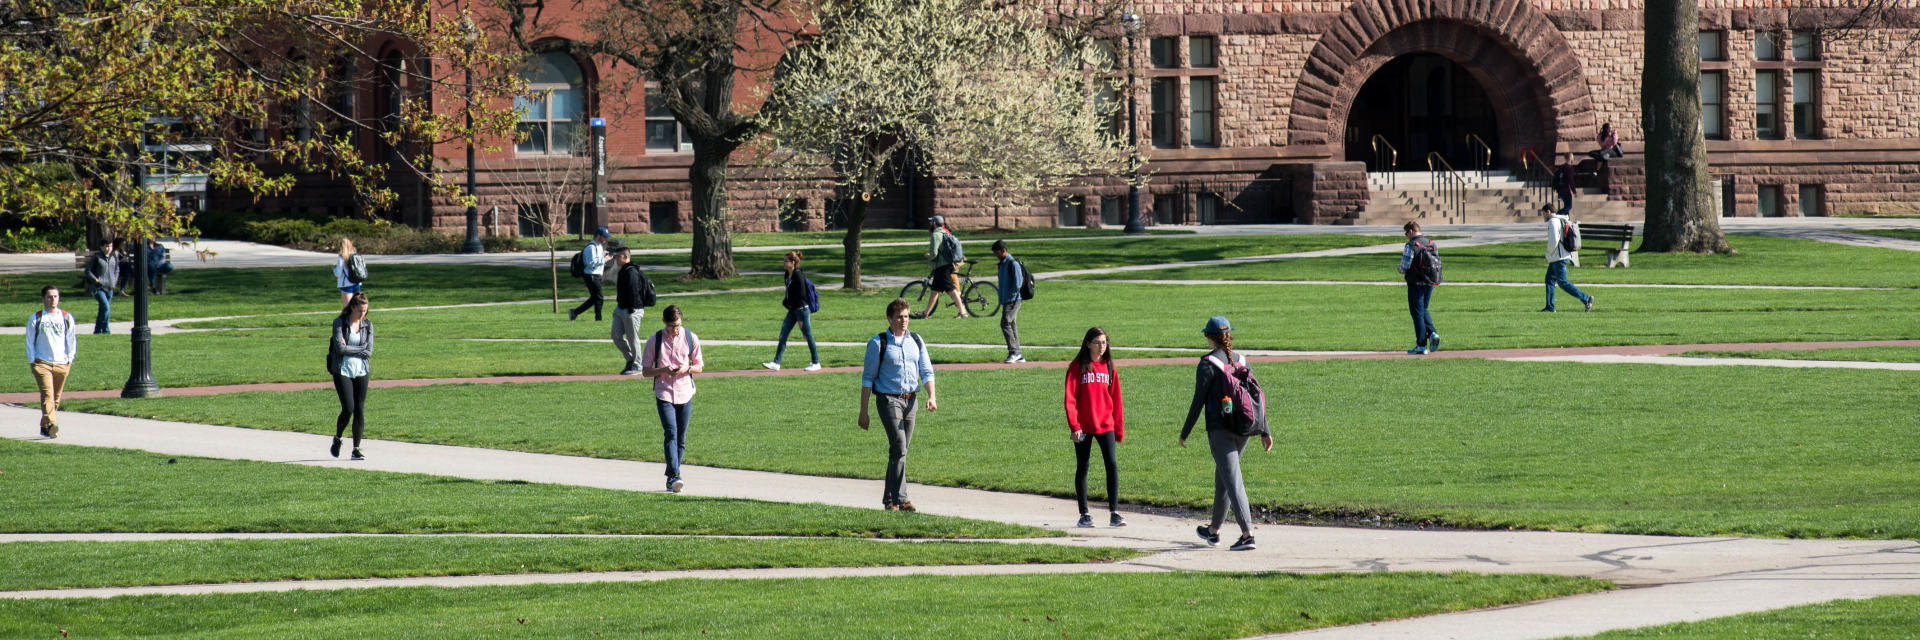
(632,294)
(594,257)
(1420,262)
(943,250)
(1562,242)
(102,276)
(342,270)
(1012,275)
(672,357)
(801,300)
(1095,414)
(51,344)
(348,353)
(1213,389)
(896,365)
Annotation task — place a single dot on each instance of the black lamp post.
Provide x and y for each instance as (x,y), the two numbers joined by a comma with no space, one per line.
(140,382)
(1132,23)
(472,244)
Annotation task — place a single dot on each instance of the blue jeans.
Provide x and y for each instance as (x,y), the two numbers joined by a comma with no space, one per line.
(673,428)
(1566,203)
(1418,295)
(1557,276)
(105,315)
(804,318)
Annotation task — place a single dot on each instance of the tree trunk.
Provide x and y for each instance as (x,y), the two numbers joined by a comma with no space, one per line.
(856,218)
(712,239)
(1680,215)
(553,268)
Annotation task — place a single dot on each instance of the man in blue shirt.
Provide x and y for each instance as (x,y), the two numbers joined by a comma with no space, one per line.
(595,255)
(896,366)
(1012,274)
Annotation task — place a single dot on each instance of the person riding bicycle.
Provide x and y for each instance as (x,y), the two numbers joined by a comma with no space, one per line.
(944,253)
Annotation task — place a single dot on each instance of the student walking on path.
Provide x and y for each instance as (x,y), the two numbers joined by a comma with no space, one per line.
(1562,242)
(51,344)
(1564,185)
(1420,261)
(1012,275)
(1095,414)
(672,357)
(1213,385)
(343,272)
(943,250)
(896,365)
(593,258)
(102,276)
(801,300)
(632,294)
(348,353)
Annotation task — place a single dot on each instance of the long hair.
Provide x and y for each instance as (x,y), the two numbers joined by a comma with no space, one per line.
(1223,340)
(359,297)
(1086,348)
(346,247)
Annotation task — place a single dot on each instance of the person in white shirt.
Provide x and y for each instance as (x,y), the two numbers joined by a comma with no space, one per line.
(1558,256)
(347,286)
(595,255)
(51,343)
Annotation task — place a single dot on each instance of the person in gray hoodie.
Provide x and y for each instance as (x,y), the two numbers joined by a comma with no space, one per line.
(102,277)
(1226,445)
(347,354)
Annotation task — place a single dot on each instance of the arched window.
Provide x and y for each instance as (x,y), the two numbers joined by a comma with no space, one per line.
(553,113)
(393,90)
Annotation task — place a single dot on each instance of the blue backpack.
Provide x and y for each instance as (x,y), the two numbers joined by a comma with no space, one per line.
(813,296)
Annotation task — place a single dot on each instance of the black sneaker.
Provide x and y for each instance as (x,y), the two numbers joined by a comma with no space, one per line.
(1245,543)
(336,448)
(1547,310)
(573,315)
(1116,521)
(356,455)
(1588,302)
(1086,521)
(1433,342)
(43,431)
(1212,538)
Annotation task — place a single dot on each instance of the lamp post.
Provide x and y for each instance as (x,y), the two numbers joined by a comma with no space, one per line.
(140,382)
(472,244)
(1132,23)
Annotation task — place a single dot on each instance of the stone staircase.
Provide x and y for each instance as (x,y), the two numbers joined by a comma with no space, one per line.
(1494,198)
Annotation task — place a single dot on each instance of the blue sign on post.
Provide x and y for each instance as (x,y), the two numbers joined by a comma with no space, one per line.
(599,122)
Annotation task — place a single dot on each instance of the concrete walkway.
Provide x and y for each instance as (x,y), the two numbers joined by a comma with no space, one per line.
(1683,578)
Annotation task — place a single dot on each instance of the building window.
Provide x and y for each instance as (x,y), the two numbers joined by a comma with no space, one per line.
(393,86)
(1113,211)
(1070,212)
(1766,104)
(1713,45)
(1806,111)
(793,214)
(533,219)
(1810,200)
(1766,45)
(1164,207)
(663,217)
(1770,201)
(664,133)
(1108,99)
(553,113)
(1200,112)
(1161,52)
(1713,104)
(1200,52)
(1208,206)
(1806,46)
(1164,90)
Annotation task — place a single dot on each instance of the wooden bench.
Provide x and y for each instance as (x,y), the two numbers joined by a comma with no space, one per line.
(1614,238)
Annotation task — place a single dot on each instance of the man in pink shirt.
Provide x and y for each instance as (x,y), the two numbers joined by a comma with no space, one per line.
(671,358)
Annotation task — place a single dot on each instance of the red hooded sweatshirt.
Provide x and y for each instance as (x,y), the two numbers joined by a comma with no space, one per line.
(1093,400)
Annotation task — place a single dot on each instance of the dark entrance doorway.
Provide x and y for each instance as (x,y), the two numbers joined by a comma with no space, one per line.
(1422,103)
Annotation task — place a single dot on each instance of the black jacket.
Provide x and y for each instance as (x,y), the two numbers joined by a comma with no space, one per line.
(796,290)
(338,348)
(630,290)
(1206,397)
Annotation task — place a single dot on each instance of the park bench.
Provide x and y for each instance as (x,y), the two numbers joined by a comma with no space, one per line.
(1614,238)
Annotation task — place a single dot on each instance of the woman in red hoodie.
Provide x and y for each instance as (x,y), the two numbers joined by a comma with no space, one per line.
(1094,414)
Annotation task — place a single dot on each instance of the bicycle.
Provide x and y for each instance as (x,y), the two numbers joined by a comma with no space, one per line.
(982,298)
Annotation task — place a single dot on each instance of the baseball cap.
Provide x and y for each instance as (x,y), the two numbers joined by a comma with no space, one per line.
(603,232)
(1217,324)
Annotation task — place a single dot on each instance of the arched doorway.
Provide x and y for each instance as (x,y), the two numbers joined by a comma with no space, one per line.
(1424,103)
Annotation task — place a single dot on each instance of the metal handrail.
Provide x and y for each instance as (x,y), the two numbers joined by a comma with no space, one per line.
(1453,185)
(1390,157)
(1538,175)
(1483,161)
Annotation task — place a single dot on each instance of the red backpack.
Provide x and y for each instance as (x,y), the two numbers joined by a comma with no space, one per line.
(1243,403)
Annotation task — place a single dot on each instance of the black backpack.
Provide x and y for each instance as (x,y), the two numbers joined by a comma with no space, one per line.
(1026,281)
(356,269)
(1426,258)
(1570,237)
(579,268)
(647,296)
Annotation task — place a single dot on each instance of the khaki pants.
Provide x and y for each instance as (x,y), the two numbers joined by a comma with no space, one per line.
(52,379)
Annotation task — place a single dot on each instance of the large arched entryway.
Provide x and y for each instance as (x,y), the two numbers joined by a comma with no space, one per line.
(1424,103)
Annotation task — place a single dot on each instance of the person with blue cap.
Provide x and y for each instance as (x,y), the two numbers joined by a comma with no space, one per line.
(593,262)
(1236,410)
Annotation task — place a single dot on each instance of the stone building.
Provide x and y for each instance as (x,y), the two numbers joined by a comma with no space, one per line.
(1335,112)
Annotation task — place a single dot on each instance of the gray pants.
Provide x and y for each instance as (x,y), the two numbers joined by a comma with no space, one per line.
(626,334)
(896,417)
(1009,315)
(1227,490)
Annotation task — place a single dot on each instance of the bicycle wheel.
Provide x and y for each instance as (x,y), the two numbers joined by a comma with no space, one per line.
(983,299)
(915,293)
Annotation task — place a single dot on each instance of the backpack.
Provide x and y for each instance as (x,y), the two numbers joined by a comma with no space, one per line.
(660,338)
(1248,414)
(647,295)
(950,245)
(579,267)
(356,269)
(1426,259)
(1570,237)
(883,343)
(813,295)
(1026,281)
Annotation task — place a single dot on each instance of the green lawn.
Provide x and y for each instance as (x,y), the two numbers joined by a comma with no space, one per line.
(807,238)
(59,565)
(1176,606)
(1485,444)
(1903,234)
(1054,256)
(57,488)
(1872,619)
(1761,260)
(1861,354)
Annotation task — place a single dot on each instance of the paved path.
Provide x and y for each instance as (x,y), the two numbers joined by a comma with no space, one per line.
(1684,578)
(1635,353)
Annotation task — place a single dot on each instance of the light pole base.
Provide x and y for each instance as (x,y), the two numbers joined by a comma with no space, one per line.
(472,244)
(140,382)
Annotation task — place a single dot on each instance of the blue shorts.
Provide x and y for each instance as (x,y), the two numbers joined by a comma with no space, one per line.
(352,289)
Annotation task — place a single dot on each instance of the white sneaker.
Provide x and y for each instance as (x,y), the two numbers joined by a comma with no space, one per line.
(771,365)
(1013,360)
(812,367)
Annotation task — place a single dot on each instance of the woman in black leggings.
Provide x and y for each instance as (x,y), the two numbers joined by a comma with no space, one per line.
(1095,415)
(347,355)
